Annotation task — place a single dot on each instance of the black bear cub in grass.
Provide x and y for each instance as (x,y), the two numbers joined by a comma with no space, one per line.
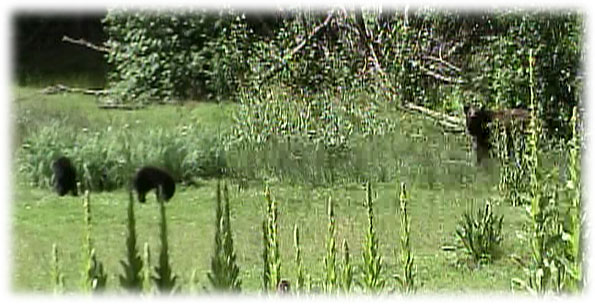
(148,178)
(64,176)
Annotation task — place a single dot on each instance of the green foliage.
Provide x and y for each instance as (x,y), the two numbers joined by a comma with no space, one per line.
(330,279)
(106,158)
(481,235)
(224,270)
(94,277)
(55,272)
(549,269)
(575,214)
(325,119)
(372,260)
(169,55)
(132,280)
(511,152)
(164,278)
(407,278)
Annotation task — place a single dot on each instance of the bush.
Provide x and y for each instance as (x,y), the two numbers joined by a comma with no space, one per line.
(106,159)
(481,234)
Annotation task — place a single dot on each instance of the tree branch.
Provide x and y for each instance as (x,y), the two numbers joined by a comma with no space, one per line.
(86,44)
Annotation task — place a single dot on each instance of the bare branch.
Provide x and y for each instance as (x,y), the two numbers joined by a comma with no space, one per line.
(86,44)
(448,64)
(62,88)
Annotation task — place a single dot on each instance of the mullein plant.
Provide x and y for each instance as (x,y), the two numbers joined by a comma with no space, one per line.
(132,279)
(372,260)
(575,279)
(546,270)
(330,268)
(94,277)
(164,278)
(347,269)
(56,272)
(300,282)
(147,286)
(271,255)
(224,274)
(510,149)
(407,278)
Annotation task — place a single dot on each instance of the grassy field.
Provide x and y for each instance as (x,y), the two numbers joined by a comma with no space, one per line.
(438,169)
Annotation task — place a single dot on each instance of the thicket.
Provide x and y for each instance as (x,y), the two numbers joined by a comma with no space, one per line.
(436,58)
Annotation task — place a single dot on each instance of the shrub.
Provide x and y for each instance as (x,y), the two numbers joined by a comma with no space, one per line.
(481,234)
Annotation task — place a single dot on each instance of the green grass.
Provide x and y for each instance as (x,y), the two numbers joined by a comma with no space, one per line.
(439,172)
(41,218)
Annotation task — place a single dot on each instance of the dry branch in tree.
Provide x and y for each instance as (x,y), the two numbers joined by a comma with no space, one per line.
(300,45)
(86,44)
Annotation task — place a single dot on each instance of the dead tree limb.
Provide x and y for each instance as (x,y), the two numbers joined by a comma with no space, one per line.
(60,88)
(312,33)
(275,68)
(86,44)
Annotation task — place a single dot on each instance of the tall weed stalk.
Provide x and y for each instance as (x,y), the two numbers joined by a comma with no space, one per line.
(224,274)
(330,267)
(132,279)
(164,278)
(93,274)
(407,278)
(372,260)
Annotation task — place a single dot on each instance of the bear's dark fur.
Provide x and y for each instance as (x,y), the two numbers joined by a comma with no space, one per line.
(477,123)
(64,176)
(148,178)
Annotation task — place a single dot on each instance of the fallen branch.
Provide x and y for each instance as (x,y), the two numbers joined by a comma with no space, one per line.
(86,44)
(60,88)
(440,77)
(120,107)
(455,121)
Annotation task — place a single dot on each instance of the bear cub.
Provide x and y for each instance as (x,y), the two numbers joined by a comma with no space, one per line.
(148,178)
(64,176)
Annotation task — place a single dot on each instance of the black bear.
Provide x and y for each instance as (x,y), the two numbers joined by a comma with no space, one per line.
(477,123)
(64,176)
(148,178)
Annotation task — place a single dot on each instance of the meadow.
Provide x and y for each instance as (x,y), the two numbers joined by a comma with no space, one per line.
(438,168)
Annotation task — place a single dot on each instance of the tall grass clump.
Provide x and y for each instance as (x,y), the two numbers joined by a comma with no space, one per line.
(132,279)
(372,260)
(94,277)
(407,278)
(224,274)
(271,253)
(55,272)
(105,158)
(164,278)
(480,234)
(330,267)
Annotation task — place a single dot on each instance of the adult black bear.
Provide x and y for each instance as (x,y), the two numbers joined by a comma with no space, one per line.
(148,178)
(477,122)
(64,176)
